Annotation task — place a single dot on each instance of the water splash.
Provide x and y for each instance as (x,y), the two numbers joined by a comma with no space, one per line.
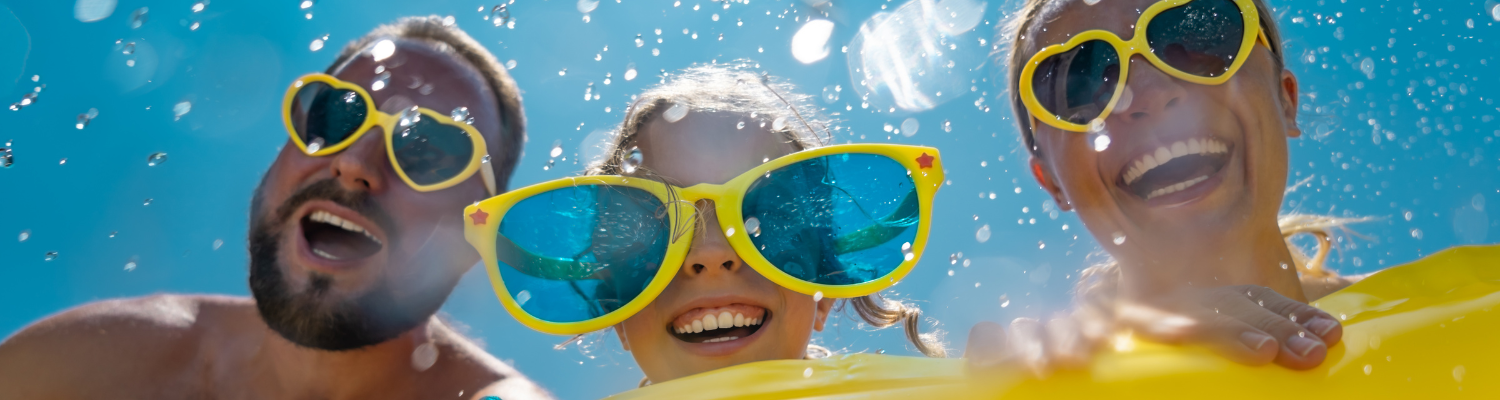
(1119,238)
(983,234)
(461,114)
(6,158)
(675,113)
(180,109)
(139,17)
(26,234)
(903,56)
(156,159)
(810,43)
(752,226)
(87,117)
(633,160)
(51,255)
(909,127)
(831,93)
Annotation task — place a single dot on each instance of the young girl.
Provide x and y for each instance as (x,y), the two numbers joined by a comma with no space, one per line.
(717,230)
(1164,125)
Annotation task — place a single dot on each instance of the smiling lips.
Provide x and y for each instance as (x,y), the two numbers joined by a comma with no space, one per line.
(334,238)
(718,324)
(1171,169)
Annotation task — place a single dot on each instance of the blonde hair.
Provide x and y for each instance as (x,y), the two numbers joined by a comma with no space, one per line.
(736,88)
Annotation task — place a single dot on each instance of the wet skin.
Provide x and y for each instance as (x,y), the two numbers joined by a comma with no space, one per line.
(175,346)
(1218,231)
(706,147)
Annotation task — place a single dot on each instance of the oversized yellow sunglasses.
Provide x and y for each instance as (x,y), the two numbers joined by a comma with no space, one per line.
(429,150)
(1076,84)
(580,254)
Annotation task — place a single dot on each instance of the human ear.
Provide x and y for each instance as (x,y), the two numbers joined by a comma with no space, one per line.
(620,333)
(1044,178)
(824,307)
(1289,103)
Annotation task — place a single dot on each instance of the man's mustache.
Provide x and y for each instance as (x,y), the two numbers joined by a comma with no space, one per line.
(330,190)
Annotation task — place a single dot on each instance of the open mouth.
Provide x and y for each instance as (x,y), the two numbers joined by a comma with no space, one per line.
(719,324)
(1174,168)
(334,238)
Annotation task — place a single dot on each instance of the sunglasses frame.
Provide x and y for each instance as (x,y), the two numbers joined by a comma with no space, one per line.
(388,123)
(1127,49)
(922,164)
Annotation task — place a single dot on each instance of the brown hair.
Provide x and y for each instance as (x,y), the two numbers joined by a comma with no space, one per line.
(737,88)
(1020,27)
(445,36)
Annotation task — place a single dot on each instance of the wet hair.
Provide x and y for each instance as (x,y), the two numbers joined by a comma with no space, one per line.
(1020,27)
(445,37)
(738,88)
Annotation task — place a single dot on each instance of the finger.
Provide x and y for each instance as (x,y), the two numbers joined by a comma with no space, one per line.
(1066,343)
(987,346)
(1301,348)
(1222,332)
(1028,344)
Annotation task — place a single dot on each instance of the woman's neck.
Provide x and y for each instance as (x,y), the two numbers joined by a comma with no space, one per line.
(1261,259)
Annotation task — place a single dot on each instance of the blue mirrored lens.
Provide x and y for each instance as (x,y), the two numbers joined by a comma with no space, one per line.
(836,220)
(577,253)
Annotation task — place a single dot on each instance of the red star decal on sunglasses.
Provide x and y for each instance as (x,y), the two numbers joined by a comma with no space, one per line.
(480,217)
(924,161)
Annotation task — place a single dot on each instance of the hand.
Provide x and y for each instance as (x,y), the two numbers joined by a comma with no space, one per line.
(1248,324)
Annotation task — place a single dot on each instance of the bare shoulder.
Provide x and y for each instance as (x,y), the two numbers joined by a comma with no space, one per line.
(132,338)
(482,370)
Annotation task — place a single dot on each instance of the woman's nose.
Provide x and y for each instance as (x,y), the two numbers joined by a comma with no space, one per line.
(1149,92)
(710,253)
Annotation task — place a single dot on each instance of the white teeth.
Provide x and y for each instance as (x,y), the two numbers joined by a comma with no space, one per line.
(698,326)
(323,254)
(710,322)
(329,218)
(1179,186)
(739,320)
(722,339)
(726,320)
(1162,155)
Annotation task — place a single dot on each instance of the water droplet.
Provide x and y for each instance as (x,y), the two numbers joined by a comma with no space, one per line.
(180,109)
(1458,373)
(6,159)
(952,259)
(740,125)
(947,126)
(909,127)
(1119,238)
(778,124)
(383,50)
(380,81)
(633,160)
(146,203)
(129,49)
(1284,266)
(129,266)
(1097,125)
(966,261)
(461,114)
(638,41)
(1368,368)
(156,159)
(1368,67)
(587,6)
(424,356)
(831,93)
(1004,301)
(408,117)
(1091,2)
(1477,202)
(218,243)
(807,373)
(563,72)
(1495,12)
(818,296)
(112,234)
(556,150)
(630,73)
(675,113)
(500,15)
(522,297)
(810,43)
(26,234)
(85,118)
(729,232)
(1406,215)
(315,145)
(199,6)
(51,255)
(139,17)
(1100,140)
(1416,233)
(306,4)
(317,44)
(983,234)
(752,225)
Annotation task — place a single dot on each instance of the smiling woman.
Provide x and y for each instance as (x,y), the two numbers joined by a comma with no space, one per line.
(1196,106)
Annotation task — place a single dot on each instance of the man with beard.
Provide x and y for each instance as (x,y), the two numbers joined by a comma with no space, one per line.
(356,240)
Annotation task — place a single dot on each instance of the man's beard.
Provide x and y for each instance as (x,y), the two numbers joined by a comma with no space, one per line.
(312,317)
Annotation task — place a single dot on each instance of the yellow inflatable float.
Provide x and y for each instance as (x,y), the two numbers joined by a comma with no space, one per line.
(1429,329)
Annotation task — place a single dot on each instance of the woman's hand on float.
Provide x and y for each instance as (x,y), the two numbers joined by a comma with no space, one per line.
(1249,324)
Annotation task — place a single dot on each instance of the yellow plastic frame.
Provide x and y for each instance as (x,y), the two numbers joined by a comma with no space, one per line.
(388,123)
(1128,49)
(922,164)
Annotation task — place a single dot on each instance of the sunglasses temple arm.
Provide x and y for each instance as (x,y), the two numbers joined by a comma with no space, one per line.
(487,170)
(541,266)
(884,229)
